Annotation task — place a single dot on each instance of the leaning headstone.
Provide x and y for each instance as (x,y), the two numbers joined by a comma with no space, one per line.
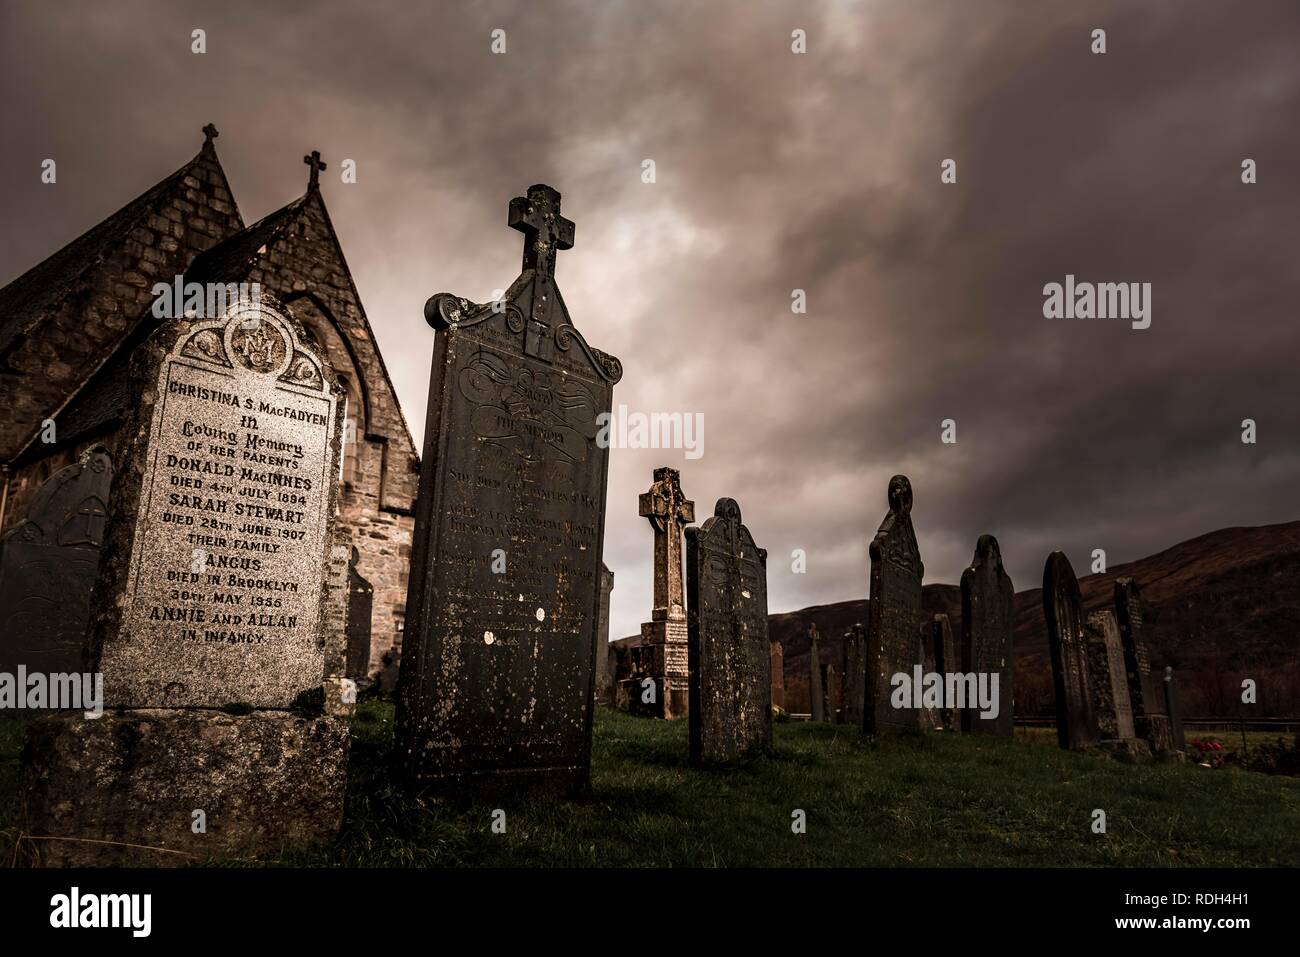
(664,636)
(986,648)
(816,683)
(495,687)
(1175,711)
(777,655)
(893,640)
(48,563)
(1110,701)
(855,674)
(207,621)
(1076,723)
(945,662)
(730,655)
(1150,722)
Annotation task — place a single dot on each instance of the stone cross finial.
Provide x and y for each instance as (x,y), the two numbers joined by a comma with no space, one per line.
(537,216)
(209,134)
(316,164)
(669,512)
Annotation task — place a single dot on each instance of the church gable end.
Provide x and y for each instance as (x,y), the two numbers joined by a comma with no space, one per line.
(61,319)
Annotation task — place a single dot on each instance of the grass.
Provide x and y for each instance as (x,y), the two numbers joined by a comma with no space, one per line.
(918,800)
(921,800)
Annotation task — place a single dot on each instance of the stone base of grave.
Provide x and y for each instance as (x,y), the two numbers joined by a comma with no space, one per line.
(122,789)
(1155,729)
(1127,750)
(663,657)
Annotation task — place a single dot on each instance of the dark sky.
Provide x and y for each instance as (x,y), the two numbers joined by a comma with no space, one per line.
(775,171)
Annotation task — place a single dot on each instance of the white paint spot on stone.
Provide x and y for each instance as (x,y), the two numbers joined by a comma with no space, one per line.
(541,614)
(747,594)
(488,637)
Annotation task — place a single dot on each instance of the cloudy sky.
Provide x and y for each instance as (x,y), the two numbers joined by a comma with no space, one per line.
(775,172)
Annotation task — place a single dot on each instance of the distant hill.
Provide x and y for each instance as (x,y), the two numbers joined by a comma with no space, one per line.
(1221,607)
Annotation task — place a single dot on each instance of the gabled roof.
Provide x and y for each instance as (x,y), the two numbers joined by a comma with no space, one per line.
(25,300)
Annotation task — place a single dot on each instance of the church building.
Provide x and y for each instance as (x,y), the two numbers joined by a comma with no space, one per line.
(67,329)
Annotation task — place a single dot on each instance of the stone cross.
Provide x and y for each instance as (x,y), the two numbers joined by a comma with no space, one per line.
(669,512)
(537,216)
(316,164)
(210,133)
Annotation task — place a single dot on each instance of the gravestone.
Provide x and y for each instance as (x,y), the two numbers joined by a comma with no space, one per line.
(730,655)
(495,686)
(945,661)
(986,645)
(665,635)
(816,683)
(603,680)
(208,614)
(361,605)
(777,656)
(1174,709)
(1076,723)
(1150,722)
(894,643)
(928,716)
(855,674)
(1110,701)
(48,563)
(834,694)
(340,697)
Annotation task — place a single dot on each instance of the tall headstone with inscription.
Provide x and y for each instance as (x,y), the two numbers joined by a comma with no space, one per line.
(208,621)
(730,655)
(1109,683)
(1076,722)
(48,564)
(664,636)
(986,608)
(1150,722)
(894,641)
(495,689)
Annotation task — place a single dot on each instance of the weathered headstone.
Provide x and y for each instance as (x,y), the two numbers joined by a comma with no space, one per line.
(1150,721)
(855,674)
(1110,701)
(1174,709)
(603,679)
(1076,723)
(211,594)
(777,655)
(834,694)
(986,646)
(340,696)
(928,711)
(816,678)
(894,644)
(48,563)
(495,689)
(664,635)
(945,661)
(361,606)
(730,655)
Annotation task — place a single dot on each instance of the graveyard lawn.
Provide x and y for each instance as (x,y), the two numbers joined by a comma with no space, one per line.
(910,800)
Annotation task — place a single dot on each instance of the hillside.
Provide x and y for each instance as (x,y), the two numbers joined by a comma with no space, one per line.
(1221,606)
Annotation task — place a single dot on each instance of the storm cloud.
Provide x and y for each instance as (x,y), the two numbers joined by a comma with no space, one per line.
(775,172)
